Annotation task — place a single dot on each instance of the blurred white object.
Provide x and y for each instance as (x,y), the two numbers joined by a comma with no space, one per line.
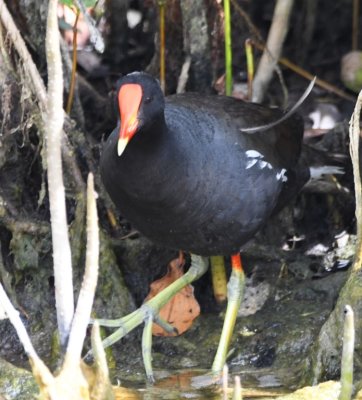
(325,116)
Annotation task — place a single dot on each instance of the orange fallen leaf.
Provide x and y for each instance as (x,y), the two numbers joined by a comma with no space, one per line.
(183,308)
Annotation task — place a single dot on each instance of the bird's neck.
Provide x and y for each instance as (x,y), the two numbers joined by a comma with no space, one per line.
(149,138)
(147,157)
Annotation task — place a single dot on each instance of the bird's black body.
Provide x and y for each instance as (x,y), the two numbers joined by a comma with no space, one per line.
(190,179)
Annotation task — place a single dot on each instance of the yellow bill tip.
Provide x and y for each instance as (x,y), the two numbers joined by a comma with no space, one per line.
(122,143)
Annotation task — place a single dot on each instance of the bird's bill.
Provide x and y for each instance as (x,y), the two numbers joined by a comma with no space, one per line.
(129,101)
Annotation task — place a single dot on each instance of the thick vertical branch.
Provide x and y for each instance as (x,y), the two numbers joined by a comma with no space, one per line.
(354,137)
(53,125)
(87,291)
(196,44)
(271,54)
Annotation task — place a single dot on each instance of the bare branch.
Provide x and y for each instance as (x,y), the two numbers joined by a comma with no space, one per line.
(54,119)
(86,295)
(354,135)
(40,369)
(102,388)
(14,318)
(268,61)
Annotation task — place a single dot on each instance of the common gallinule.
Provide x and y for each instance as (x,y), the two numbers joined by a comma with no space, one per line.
(184,173)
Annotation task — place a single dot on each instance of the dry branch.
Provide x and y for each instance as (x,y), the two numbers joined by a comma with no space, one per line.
(39,368)
(268,61)
(54,118)
(354,135)
(87,291)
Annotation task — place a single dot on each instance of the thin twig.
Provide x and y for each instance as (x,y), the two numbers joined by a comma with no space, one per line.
(276,36)
(237,394)
(13,315)
(86,295)
(74,64)
(184,75)
(15,319)
(28,63)
(224,382)
(54,119)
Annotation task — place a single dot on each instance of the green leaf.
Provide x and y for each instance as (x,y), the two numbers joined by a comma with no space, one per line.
(68,3)
(89,3)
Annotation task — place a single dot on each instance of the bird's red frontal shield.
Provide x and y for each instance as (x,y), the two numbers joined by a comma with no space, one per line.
(129,100)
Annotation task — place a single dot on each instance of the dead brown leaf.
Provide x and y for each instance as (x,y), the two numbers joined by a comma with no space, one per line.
(183,308)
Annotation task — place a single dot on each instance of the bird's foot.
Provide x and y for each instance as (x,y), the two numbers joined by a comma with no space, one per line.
(148,313)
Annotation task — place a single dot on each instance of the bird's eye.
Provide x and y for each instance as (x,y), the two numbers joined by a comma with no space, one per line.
(148,99)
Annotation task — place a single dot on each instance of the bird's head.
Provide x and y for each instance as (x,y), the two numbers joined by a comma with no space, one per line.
(140,103)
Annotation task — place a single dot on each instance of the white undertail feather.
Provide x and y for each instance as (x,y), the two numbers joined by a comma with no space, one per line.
(319,172)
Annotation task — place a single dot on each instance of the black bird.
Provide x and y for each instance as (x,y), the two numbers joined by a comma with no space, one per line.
(185,174)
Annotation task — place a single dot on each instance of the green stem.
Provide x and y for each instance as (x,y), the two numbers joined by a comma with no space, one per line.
(228,50)
(250,66)
(162,5)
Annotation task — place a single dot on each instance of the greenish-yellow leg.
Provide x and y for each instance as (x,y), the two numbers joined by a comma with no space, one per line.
(235,294)
(218,276)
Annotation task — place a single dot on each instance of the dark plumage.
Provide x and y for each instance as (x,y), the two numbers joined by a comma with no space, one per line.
(190,179)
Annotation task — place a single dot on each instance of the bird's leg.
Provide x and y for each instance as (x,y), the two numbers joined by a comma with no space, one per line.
(235,294)
(148,312)
(218,276)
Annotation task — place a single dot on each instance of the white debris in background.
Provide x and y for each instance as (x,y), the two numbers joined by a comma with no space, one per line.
(133,18)
(325,116)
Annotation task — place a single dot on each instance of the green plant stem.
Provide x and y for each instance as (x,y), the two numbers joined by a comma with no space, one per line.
(249,66)
(228,49)
(162,5)
(74,65)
